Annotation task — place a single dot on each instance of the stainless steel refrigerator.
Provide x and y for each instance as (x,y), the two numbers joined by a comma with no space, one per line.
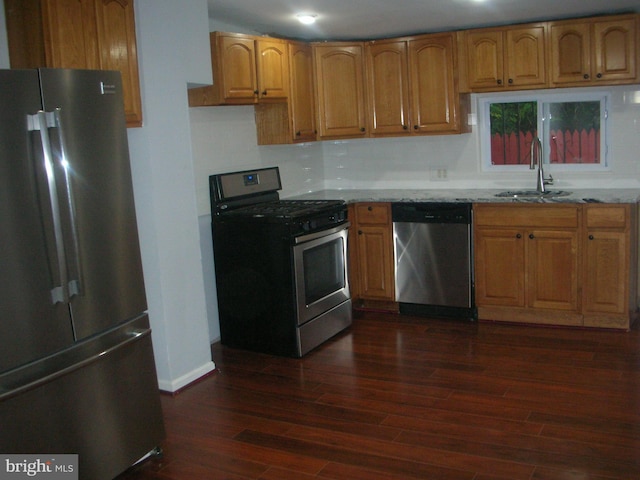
(77,373)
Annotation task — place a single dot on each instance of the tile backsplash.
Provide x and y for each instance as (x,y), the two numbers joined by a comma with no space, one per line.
(224,139)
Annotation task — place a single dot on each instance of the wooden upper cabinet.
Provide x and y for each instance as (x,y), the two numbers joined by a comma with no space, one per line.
(388,81)
(235,67)
(485,58)
(412,86)
(525,57)
(117,46)
(507,58)
(570,53)
(91,34)
(301,100)
(246,70)
(340,92)
(436,106)
(594,51)
(272,58)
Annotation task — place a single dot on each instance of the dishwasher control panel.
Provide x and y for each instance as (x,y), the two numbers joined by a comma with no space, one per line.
(431,212)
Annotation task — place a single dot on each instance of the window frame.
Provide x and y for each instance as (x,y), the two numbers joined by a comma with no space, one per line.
(543,98)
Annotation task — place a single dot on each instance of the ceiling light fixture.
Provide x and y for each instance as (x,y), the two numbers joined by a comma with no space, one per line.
(306,18)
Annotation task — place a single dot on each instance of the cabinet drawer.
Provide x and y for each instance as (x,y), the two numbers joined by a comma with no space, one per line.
(373,213)
(527,215)
(606,216)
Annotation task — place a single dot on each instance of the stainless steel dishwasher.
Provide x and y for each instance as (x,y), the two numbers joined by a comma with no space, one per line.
(433,259)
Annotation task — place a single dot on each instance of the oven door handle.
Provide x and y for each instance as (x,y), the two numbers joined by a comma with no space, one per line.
(320,234)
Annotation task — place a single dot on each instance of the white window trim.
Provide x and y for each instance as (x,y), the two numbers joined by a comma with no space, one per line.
(541,98)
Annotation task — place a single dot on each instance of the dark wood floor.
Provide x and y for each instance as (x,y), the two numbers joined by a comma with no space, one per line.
(399,398)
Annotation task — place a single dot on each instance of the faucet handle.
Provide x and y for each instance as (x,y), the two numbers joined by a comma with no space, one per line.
(548,180)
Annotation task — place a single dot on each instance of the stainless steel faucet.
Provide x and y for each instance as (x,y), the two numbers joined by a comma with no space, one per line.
(537,159)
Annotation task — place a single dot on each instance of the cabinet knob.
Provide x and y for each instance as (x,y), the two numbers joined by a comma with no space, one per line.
(586,76)
(264,93)
(590,237)
(362,129)
(499,82)
(298,133)
(404,127)
(415,127)
(370,208)
(518,235)
(256,92)
(599,75)
(359,232)
(511,80)
(532,236)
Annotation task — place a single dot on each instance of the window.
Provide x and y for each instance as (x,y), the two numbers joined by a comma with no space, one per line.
(571,127)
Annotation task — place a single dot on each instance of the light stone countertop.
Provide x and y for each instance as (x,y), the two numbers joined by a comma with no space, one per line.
(465,195)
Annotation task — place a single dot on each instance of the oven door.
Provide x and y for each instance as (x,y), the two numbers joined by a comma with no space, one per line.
(320,269)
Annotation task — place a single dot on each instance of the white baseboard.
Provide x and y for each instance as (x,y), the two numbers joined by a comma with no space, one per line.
(172,386)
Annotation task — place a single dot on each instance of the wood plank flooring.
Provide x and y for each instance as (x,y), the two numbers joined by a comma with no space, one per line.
(400,398)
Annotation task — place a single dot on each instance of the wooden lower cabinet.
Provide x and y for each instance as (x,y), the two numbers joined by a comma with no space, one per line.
(556,264)
(499,267)
(371,252)
(610,265)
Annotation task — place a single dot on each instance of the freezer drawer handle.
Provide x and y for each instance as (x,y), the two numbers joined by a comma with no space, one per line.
(132,336)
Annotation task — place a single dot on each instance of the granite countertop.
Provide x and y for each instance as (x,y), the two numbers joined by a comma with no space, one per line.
(469,195)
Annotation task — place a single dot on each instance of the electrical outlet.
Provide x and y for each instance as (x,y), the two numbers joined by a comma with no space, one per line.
(439,174)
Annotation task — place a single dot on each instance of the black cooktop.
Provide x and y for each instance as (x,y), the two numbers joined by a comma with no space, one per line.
(286,209)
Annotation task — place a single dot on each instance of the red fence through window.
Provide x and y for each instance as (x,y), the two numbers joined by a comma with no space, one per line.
(571,147)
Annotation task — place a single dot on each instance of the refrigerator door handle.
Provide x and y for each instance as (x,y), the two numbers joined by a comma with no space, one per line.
(41,122)
(74,284)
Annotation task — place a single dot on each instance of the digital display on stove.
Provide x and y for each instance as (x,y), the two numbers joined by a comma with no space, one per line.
(250,179)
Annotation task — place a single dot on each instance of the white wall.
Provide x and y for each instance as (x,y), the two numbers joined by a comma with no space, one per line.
(173,51)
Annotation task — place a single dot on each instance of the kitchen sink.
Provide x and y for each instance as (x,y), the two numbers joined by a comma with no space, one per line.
(533,193)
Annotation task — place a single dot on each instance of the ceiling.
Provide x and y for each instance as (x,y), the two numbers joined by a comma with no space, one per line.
(370,19)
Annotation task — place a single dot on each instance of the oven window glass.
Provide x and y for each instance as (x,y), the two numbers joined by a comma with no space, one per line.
(323,270)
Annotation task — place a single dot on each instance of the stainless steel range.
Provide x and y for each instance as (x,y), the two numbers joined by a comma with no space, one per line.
(281,265)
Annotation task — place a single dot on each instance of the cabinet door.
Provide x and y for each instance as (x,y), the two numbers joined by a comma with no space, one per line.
(485,55)
(570,53)
(388,84)
(552,269)
(606,272)
(375,262)
(434,97)
(615,50)
(272,59)
(69,33)
(499,267)
(117,44)
(525,57)
(238,65)
(340,90)
(301,98)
